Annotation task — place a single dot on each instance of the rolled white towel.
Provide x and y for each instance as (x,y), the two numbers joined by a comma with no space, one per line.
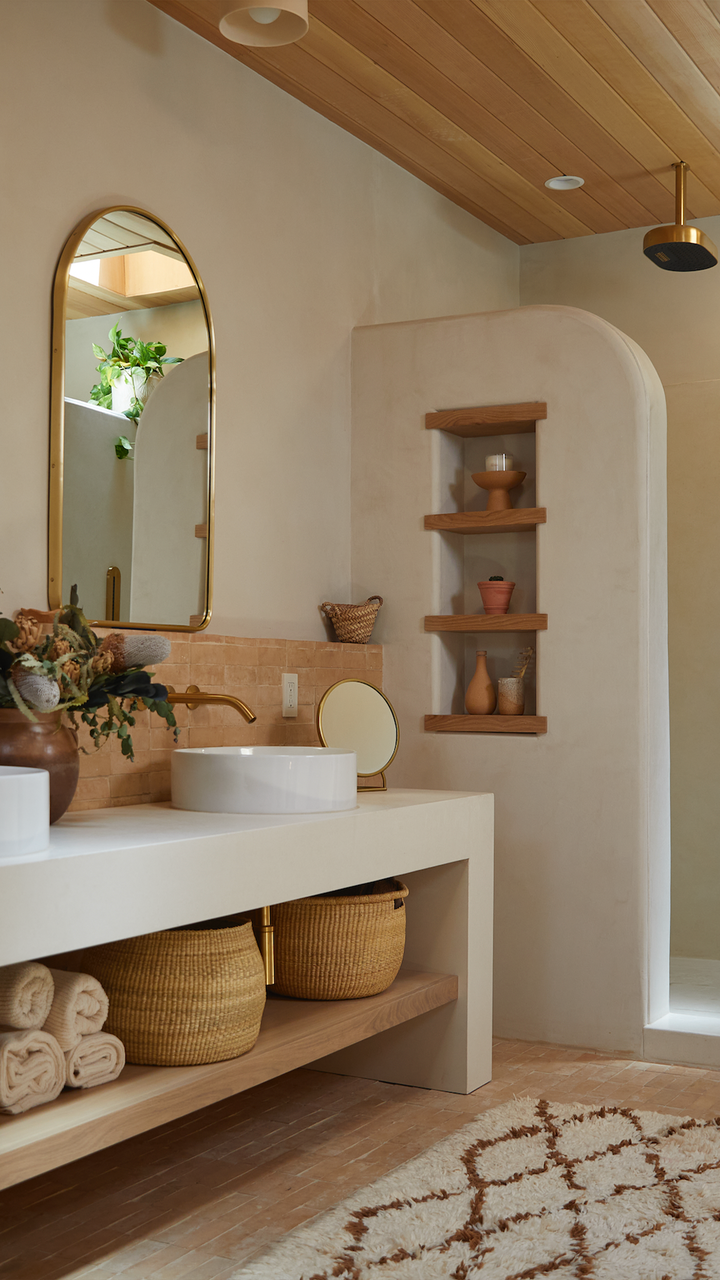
(32,1069)
(97,1059)
(26,994)
(79,1008)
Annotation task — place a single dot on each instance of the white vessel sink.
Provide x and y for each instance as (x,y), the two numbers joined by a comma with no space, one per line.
(264,779)
(24,810)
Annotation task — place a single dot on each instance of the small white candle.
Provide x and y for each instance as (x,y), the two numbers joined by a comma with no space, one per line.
(499,462)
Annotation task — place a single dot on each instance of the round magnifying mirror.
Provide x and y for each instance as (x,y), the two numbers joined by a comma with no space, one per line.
(355,715)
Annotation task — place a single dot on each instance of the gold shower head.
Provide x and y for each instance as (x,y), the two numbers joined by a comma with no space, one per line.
(679,247)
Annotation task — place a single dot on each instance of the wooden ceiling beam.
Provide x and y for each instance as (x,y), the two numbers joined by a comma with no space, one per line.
(676,137)
(371,78)
(480,59)
(642,31)
(697,30)
(409,70)
(482,26)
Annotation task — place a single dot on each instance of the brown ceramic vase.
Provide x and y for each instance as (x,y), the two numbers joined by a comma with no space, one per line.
(50,745)
(480,695)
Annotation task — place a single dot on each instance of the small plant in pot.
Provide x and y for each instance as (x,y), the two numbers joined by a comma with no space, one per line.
(496,593)
(127,376)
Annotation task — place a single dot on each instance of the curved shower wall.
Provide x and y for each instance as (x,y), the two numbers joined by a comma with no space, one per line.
(582,813)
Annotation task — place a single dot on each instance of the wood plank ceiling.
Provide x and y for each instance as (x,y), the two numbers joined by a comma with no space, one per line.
(485,99)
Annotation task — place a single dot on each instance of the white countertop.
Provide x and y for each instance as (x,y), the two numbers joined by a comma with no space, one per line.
(115,873)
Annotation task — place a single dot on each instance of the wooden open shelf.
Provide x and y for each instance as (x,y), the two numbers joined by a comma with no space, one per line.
(488,420)
(294,1032)
(520,520)
(486,724)
(471,622)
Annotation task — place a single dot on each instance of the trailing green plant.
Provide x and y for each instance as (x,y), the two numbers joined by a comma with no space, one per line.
(123,447)
(72,670)
(132,356)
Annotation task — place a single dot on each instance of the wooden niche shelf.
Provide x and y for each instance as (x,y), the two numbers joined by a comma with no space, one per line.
(487,420)
(477,622)
(522,520)
(486,724)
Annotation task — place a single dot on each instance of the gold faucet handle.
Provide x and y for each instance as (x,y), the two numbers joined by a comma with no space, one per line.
(192,688)
(192,706)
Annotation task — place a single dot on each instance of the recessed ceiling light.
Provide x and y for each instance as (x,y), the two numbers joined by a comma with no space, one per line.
(564,182)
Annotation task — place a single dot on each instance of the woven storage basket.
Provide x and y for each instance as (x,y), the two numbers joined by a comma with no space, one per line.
(339,948)
(183,996)
(353,623)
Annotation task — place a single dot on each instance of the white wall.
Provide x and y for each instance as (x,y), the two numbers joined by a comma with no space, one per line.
(582,827)
(676,319)
(299,232)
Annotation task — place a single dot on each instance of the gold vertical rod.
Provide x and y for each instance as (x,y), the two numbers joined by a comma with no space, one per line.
(680,192)
(267,946)
(112,594)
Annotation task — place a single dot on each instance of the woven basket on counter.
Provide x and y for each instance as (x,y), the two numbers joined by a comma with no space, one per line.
(340,948)
(183,996)
(353,623)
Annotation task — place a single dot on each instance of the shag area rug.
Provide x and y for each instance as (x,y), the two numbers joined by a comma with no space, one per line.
(530,1189)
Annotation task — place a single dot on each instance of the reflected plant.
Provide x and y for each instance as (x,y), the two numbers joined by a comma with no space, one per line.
(128,355)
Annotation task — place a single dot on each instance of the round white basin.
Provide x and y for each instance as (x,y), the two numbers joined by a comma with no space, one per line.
(24,810)
(264,779)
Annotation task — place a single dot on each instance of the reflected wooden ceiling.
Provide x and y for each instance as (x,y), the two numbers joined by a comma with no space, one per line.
(485,99)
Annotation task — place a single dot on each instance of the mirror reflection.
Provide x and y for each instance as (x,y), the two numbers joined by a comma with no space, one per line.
(133,505)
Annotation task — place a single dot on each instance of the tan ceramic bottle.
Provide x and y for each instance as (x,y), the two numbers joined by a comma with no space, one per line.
(480,696)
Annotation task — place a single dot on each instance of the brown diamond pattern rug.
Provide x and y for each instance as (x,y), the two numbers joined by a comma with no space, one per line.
(530,1190)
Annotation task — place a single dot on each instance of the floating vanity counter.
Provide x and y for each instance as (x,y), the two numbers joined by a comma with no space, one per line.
(116,873)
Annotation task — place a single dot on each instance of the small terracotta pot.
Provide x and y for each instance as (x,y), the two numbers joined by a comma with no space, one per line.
(496,595)
(50,745)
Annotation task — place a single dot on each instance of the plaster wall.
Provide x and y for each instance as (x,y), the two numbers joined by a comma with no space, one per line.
(582,831)
(676,320)
(299,232)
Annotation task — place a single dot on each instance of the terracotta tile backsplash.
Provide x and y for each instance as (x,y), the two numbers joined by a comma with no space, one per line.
(248,669)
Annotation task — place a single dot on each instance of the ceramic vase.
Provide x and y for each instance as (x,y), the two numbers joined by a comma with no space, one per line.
(132,385)
(511,696)
(480,696)
(496,595)
(498,485)
(50,745)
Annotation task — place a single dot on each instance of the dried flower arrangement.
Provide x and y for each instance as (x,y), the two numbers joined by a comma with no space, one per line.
(72,670)
(524,659)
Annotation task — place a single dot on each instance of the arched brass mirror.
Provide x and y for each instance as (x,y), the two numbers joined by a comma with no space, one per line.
(131,426)
(355,715)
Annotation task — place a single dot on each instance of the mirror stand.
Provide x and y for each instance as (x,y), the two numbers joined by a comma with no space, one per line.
(382,787)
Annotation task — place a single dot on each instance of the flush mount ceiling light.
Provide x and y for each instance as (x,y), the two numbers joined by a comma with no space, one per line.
(564,182)
(266,22)
(680,248)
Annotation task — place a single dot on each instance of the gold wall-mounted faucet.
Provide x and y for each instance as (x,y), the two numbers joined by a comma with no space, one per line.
(192,698)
